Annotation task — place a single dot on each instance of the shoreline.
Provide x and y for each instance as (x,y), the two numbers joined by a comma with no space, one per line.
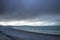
(29,35)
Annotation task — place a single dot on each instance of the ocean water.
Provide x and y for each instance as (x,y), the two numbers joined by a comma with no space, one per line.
(26,32)
(37,29)
(40,29)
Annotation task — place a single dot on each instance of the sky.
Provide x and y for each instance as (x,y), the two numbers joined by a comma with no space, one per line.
(30,12)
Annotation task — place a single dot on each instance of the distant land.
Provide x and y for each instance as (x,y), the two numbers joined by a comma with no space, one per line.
(28,26)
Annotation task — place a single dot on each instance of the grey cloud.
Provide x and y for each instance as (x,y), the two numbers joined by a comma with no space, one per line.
(28,9)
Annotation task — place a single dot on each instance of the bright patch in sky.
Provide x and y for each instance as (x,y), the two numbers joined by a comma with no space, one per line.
(30,23)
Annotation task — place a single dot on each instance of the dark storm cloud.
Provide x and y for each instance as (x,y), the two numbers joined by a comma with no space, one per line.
(28,9)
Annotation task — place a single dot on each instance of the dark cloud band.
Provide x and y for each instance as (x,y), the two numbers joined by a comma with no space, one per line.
(28,9)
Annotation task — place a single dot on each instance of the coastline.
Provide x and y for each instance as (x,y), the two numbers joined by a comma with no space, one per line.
(26,35)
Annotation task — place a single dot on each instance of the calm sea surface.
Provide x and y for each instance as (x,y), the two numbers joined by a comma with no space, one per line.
(41,29)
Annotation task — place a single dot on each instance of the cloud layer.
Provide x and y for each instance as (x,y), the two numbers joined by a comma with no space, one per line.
(31,10)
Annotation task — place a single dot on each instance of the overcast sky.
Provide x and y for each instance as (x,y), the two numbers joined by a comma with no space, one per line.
(30,10)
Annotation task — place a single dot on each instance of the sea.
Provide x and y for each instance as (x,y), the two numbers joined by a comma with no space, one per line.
(40,29)
(37,29)
(31,32)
